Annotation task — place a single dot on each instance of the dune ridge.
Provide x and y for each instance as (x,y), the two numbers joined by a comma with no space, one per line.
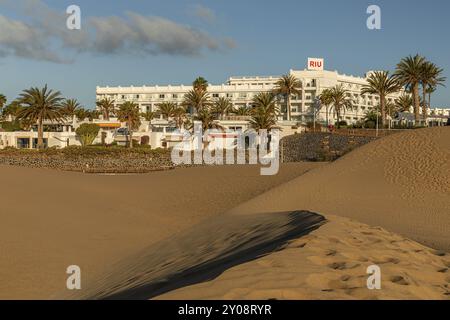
(201,254)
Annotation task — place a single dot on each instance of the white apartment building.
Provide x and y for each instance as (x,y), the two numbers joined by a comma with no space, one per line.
(241,90)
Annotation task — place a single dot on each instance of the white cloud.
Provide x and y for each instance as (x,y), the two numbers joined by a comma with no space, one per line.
(43,35)
(204,13)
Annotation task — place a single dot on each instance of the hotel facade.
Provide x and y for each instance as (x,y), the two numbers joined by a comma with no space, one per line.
(241,91)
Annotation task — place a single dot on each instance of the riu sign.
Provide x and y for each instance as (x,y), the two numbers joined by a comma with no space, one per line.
(315,64)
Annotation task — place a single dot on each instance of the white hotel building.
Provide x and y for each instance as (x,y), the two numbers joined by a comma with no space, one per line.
(241,90)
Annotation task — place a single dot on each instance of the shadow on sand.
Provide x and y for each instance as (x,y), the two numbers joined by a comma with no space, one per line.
(201,254)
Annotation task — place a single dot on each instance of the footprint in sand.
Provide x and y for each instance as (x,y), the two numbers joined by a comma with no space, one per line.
(400,280)
(439,253)
(338,265)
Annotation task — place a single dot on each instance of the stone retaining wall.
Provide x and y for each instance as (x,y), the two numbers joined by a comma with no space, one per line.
(319,146)
(120,163)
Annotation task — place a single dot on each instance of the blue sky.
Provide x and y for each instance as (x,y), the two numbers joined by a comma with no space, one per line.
(246,37)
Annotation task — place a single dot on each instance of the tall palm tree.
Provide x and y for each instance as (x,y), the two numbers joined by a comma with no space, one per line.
(39,105)
(167,109)
(431,76)
(340,101)
(196,100)
(288,85)
(70,106)
(381,84)
(265,113)
(430,90)
(326,100)
(403,103)
(408,73)
(222,107)
(129,112)
(2,101)
(106,107)
(200,84)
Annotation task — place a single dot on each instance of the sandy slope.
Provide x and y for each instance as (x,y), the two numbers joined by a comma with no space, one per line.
(401,183)
(51,219)
(331,263)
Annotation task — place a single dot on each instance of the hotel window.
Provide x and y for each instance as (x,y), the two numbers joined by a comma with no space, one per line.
(215,95)
(162,96)
(137,96)
(229,95)
(175,96)
(123,96)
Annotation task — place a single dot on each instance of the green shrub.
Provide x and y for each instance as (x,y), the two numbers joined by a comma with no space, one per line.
(310,125)
(370,124)
(87,133)
(11,126)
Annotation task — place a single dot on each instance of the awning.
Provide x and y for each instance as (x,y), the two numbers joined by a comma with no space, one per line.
(109,125)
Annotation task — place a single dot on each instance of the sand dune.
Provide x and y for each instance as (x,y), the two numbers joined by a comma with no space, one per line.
(401,183)
(118,228)
(52,219)
(200,254)
(331,263)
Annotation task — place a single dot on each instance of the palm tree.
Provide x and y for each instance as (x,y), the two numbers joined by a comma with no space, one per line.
(179,116)
(81,114)
(326,100)
(196,100)
(200,84)
(149,115)
(265,113)
(129,112)
(207,119)
(288,85)
(243,111)
(167,109)
(408,73)
(2,101)
(106,106)
(12,109)
(431,76)
(403,103)
(70,106)
(222,107)
(430,90)
(381,84)
(39,105)
(340,101)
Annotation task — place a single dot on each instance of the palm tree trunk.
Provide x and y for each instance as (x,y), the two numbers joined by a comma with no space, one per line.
(383,110)
(288,101)
(416,103)
(130,134)
(326,116)
(40,134)
(424,110)
(338,116)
